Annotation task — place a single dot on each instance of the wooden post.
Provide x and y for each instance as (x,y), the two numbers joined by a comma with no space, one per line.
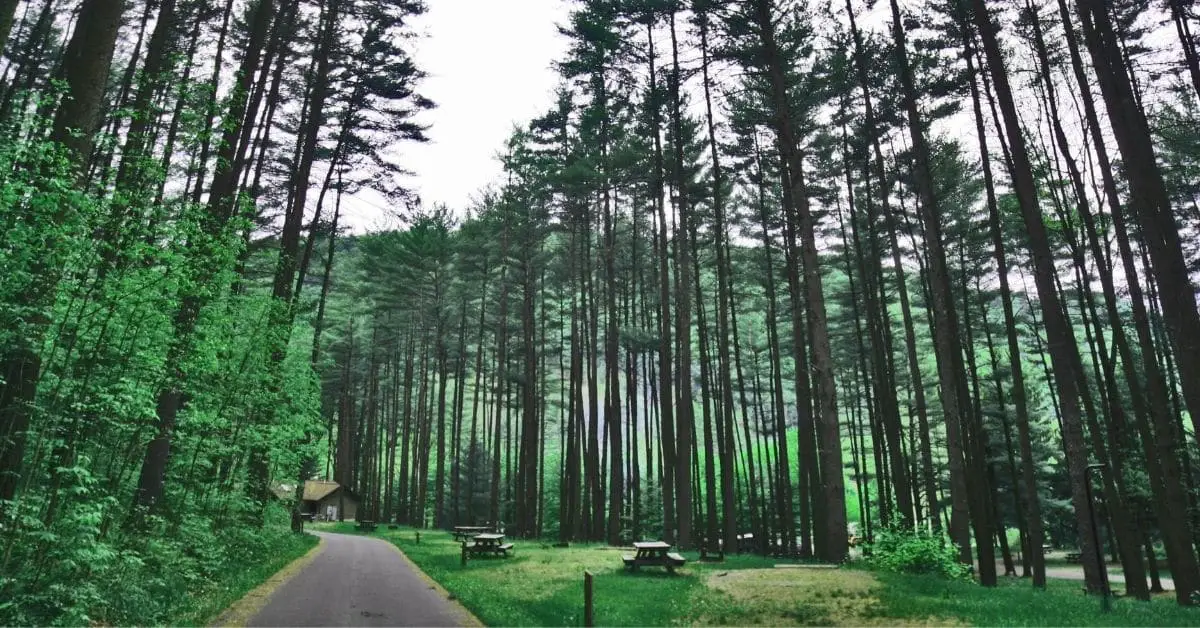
(418,537)
(464,554)
(589,617)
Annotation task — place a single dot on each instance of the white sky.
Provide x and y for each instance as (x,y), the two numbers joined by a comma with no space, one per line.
(489,65)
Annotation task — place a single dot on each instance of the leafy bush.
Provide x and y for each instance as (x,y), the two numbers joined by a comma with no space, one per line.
(906,551)
(72,574)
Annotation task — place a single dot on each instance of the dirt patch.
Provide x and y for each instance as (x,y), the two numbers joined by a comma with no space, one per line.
(804,597)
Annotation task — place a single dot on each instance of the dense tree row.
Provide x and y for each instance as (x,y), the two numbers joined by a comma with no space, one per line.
(771,266)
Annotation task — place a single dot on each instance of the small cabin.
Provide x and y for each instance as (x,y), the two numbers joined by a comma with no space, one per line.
(328,501)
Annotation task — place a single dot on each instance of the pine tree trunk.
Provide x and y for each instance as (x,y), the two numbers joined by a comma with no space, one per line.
(612,364)
(711,528)
(685,422)
(666,395)
(945,328)
(727,449)
(501,383)
(8,14)
(527,497)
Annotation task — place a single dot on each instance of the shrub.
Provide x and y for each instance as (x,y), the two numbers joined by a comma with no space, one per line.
(915,552)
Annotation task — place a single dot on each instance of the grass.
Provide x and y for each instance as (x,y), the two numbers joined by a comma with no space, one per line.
(201,606)
(1015,603)
(543,586)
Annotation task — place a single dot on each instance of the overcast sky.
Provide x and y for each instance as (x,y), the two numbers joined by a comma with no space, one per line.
(489,65)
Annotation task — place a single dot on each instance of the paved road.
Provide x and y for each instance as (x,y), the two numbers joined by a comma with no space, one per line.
(359,581)
(1071,572)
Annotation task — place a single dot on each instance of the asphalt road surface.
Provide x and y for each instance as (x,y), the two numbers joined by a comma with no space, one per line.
(359,581)
(1075,572)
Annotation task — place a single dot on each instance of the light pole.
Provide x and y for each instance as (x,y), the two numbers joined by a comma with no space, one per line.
(1105,596)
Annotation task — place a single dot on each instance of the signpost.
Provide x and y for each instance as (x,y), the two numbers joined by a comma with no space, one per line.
(1105,595)
(589,619)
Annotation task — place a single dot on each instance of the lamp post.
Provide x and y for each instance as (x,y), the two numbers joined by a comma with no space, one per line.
(1105,595)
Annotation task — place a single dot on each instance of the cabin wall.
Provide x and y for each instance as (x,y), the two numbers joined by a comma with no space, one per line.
(347,505)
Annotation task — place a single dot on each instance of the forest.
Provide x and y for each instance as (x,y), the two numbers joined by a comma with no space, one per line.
(810,270)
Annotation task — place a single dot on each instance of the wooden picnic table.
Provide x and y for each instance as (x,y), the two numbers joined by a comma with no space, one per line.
(653,554)
(462,533)
(488,545)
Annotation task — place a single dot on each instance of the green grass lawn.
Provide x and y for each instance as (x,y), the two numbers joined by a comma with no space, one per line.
(543,586)
(1016,603)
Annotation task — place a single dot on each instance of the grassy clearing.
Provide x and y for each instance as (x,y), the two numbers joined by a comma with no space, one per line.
(200,606)
(543,586)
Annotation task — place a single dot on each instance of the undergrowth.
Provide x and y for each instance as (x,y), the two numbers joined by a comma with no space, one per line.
(175,573)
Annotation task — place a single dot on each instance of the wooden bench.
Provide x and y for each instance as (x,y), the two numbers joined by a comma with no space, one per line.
(1074,557)
(365,526)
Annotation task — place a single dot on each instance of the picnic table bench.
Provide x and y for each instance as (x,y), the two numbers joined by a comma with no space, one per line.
(653,554)
(1074,557)
(488,545)
(462,533)
(366,525)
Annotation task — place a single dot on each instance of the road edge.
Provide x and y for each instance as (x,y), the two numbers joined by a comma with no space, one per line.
(240,612)
(469,618)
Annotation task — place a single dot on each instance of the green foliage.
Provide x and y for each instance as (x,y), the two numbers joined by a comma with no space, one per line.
(908,552)
(101,314)
(173,573)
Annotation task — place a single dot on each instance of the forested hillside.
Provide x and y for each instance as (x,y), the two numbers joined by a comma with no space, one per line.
(808,270)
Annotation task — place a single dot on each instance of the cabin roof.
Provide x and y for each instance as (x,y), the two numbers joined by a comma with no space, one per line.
(316,490)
